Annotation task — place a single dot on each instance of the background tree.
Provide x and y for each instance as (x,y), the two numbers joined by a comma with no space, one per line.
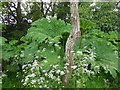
(13,19)
(104,14)
(62,11)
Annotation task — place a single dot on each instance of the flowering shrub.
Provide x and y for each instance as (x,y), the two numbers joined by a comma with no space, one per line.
(82,72)
(35,76)
(90,64)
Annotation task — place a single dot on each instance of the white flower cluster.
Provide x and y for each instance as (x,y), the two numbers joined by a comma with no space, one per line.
(54,74)
(89,72)
(31,71)
(57,45)
(38,51)
(44,79)
(22,54)
(44,49)
(82,60)
(88,55)
(74,67)
(79,52)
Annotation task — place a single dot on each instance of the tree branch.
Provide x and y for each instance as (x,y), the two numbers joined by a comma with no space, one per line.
(11,11)
(14,6)
(48,9)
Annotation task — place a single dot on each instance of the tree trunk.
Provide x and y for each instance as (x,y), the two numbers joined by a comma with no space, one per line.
(19,15)
(74,35)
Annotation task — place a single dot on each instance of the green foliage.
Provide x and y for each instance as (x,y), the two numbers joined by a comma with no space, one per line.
(97,50)
(97,35)
(103,14)
(1,26)
(44,28)
(11,80)
(41,43)
(96,82)
(84,76)
(42,78)
(41,55)
(106,52)
(86,25)
(107,16)
(2,40)
(45,41)
(35,12)
(62,11)
(85,10)
(8,49)
(106,57)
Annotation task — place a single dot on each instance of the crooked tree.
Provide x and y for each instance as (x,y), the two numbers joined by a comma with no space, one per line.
(74,35)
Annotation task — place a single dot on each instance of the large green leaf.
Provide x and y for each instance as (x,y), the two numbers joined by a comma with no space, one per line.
(106,57)
(44,28)
(51,58)
(51,54)
(29,52)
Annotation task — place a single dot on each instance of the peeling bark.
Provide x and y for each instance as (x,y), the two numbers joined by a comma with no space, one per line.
(74,35)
